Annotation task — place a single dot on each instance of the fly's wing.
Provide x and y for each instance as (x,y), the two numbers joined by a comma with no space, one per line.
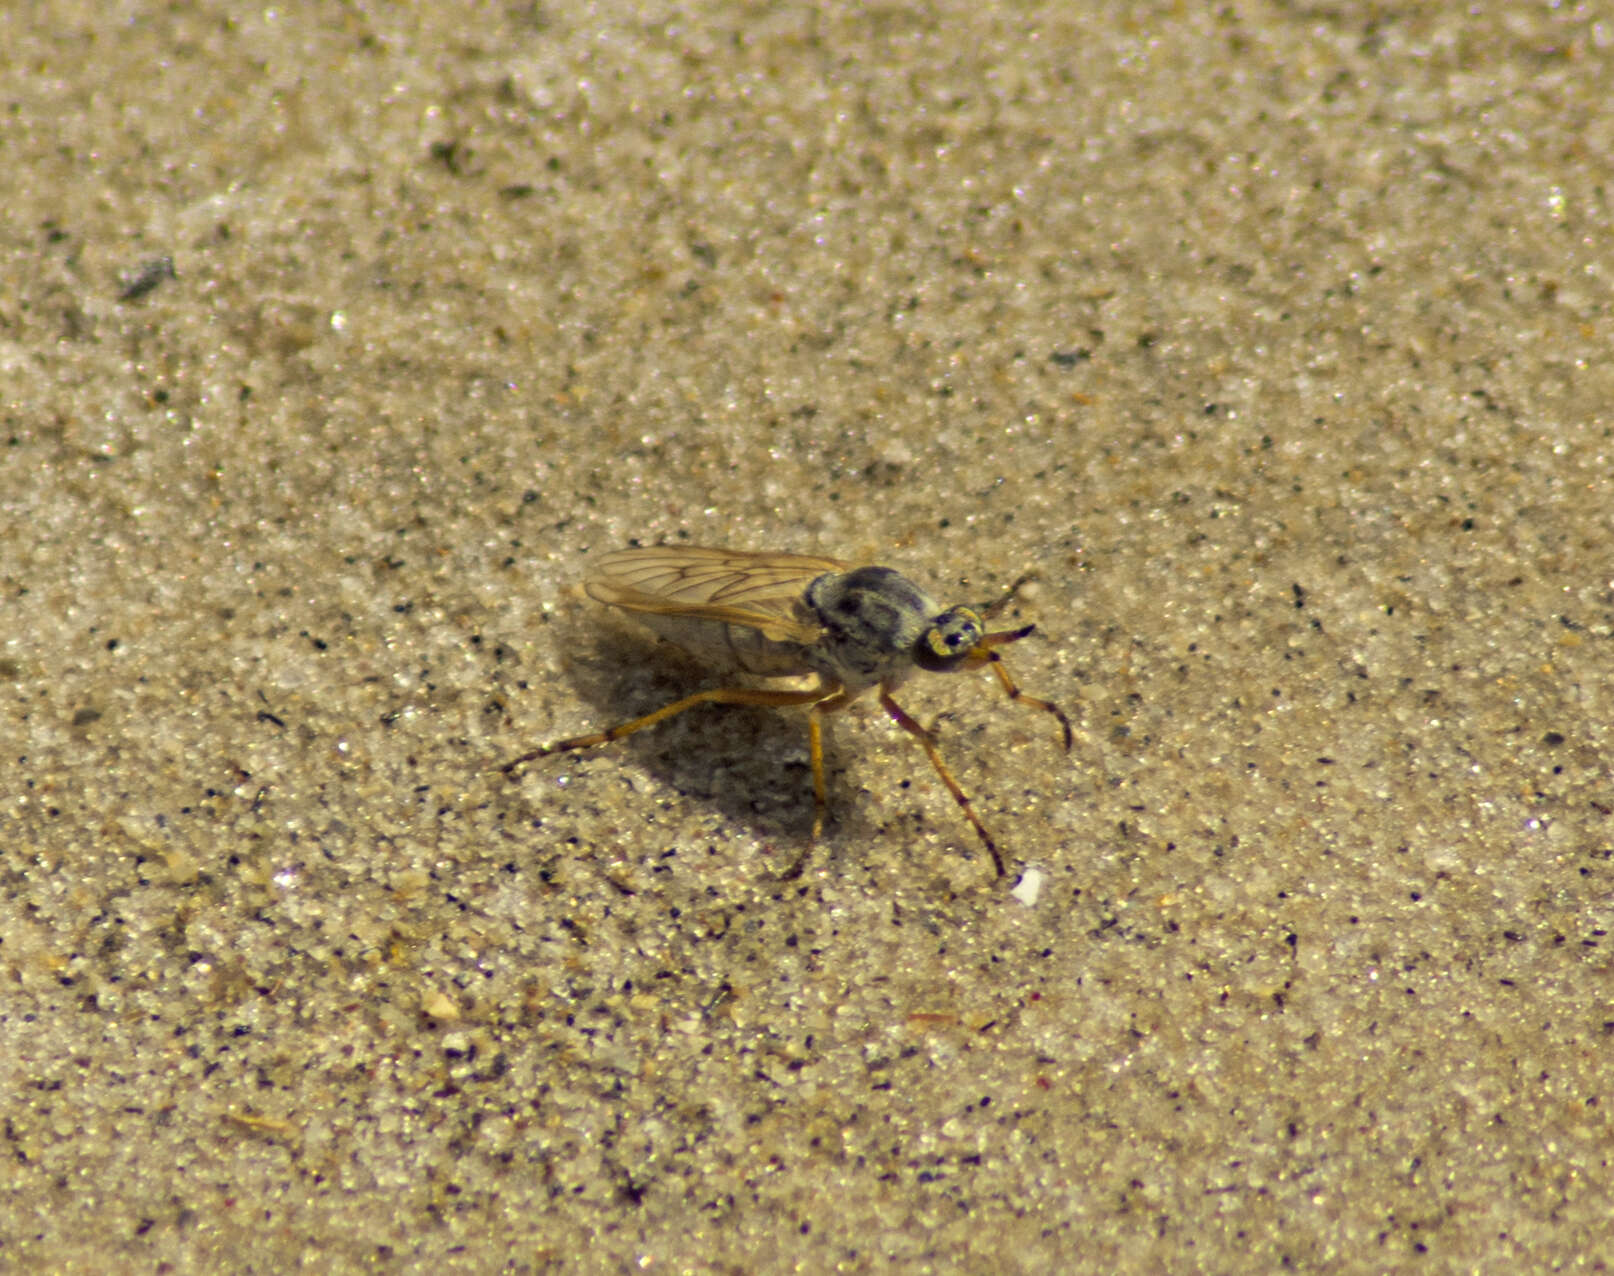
(731,587)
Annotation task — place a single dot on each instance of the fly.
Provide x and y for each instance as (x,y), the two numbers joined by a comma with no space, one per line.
(855,628)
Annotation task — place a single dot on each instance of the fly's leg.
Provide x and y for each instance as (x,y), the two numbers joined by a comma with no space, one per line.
(718,695)
(1003,600)
(984,654)
(838,699)
(815,755)
(900,716)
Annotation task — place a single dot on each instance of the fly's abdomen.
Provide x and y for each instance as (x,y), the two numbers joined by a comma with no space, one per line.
(728,647)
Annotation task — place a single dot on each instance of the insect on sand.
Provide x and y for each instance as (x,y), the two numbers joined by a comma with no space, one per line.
(858,629)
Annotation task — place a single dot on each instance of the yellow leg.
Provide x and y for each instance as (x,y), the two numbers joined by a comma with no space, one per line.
(718,695)
(815,754)
(993,608)
(984,654)
(901,718)
(838,698)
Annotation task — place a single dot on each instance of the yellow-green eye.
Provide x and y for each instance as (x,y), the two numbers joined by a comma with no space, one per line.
(945,644)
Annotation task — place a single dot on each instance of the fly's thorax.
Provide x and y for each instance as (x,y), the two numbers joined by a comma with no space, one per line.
(878,626)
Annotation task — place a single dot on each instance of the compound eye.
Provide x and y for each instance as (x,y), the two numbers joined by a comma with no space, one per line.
(946,644)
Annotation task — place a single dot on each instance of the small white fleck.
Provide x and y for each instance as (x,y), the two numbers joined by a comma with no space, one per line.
(1029,886)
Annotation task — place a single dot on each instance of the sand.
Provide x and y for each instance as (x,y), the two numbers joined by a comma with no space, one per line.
(1273,339)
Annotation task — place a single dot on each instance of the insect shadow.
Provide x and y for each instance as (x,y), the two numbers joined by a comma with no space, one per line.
(750,763)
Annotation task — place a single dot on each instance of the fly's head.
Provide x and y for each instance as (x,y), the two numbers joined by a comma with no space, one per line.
(948,640)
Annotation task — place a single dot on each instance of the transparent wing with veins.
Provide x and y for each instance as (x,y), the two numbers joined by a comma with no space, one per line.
(730,587)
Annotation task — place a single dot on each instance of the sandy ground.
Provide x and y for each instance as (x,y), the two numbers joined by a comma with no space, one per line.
(1274,338)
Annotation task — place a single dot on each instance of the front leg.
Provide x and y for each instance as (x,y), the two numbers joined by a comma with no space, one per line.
(900,716)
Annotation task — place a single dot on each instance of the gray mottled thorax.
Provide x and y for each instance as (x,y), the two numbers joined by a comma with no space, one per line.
(872,618)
